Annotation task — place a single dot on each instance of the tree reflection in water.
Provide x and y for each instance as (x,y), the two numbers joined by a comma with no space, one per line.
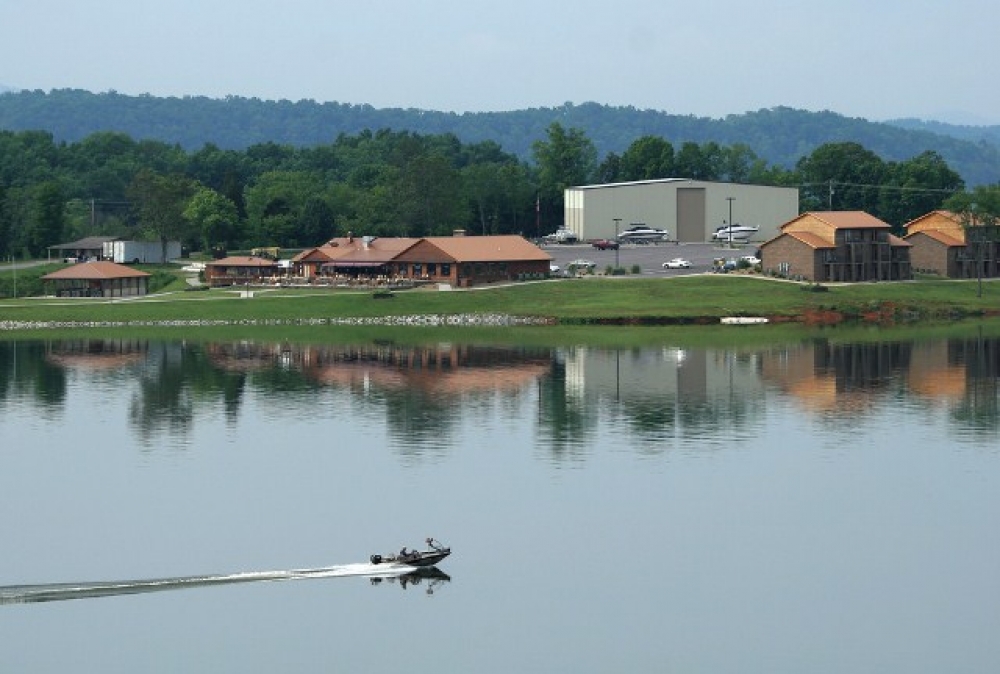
(421,392)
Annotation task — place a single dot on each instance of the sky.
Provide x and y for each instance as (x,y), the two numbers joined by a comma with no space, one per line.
(876,59)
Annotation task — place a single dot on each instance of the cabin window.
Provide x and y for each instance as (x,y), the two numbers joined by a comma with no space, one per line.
(417,269)
(431,269)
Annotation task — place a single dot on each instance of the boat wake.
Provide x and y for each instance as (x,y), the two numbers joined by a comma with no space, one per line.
(28,594)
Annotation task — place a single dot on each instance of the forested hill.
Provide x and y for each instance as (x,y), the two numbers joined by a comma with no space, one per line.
(780,136)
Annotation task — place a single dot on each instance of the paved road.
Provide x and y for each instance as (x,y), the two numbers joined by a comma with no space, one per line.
(649,257)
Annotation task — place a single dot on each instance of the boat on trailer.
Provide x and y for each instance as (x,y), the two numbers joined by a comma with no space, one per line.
(434,553)
(732,233)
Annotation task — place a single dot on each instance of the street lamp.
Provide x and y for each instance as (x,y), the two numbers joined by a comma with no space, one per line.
(617,242)
(730,200)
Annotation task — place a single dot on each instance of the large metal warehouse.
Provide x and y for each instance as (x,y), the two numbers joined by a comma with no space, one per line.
(690,210)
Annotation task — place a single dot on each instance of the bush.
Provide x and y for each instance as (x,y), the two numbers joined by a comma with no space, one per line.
(636,269)
(815,288)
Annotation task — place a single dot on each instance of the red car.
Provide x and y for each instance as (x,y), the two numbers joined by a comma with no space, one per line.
(605,244)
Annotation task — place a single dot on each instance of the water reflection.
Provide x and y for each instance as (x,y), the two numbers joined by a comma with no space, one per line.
(431,578)
(851,381)
(655,394)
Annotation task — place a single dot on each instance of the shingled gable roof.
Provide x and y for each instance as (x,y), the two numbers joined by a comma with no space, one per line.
(357,249)
(242,261)
(842,220)
(835,220)
(941,237)
(952,219)
(94,271)
(500,248)
(810,239)
(943,226)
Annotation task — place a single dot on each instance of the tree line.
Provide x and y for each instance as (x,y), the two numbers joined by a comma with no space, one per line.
(396,183)
(781,135)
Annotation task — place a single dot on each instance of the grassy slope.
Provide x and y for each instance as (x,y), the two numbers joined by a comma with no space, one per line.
(573,300)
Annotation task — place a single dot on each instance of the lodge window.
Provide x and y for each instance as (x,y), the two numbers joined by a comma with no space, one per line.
(431,269)
(445,269)
(417,268)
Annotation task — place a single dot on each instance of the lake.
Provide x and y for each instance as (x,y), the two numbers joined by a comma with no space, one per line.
(819,503)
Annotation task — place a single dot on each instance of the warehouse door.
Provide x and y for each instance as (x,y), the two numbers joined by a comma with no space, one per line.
(691,214)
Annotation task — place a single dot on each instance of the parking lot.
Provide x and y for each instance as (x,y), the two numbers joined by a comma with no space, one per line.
(650,257)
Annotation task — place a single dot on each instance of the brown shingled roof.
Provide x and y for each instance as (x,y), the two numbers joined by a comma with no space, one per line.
(489,248)
(94,271)
(812,240)
(242,261)
(849,219)
(942,237)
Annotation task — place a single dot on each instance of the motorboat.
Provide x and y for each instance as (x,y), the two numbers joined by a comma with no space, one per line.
(434,553)
(643,234)
(734,233)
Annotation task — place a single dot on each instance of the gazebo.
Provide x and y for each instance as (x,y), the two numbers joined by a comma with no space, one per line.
(98,279)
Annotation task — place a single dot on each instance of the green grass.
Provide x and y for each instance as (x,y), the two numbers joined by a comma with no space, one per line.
(590,300)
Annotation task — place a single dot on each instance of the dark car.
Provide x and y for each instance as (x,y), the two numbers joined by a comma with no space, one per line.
(605,244)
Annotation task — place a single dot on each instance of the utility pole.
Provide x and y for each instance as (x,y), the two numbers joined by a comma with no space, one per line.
(730,200)
(617,242)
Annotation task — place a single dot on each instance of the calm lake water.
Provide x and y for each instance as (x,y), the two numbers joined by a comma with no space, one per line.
(813,505)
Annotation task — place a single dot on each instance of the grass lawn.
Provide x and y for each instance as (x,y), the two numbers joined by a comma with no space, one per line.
(586,300)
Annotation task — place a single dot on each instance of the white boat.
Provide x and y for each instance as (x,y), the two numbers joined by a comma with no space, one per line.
(743,320)
(734,233)
(643,234)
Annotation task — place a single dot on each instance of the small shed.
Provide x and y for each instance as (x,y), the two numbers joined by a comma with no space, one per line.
(97,279)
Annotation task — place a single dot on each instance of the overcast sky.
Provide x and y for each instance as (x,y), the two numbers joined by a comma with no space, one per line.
(877,59)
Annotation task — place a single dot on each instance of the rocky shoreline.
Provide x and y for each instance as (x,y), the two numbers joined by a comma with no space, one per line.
(430,320)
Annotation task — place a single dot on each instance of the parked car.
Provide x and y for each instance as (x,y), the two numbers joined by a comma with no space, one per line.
(721,264)
(605,244)
(554,269)
(751,260)
(677,263)
(561,235)
(581,265)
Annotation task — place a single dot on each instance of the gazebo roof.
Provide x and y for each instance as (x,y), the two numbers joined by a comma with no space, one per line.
(94,271)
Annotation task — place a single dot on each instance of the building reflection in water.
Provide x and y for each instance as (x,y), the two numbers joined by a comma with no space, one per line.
(421,392)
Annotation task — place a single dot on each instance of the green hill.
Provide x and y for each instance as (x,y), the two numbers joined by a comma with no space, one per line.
(779,135)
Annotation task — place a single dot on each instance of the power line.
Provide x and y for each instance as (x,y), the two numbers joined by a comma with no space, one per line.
(899,188)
